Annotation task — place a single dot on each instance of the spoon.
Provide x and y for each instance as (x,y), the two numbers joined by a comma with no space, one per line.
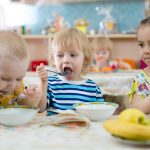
(13,101)
(59,73)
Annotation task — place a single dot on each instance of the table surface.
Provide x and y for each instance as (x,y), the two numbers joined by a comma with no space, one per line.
(117,83)
(35,137)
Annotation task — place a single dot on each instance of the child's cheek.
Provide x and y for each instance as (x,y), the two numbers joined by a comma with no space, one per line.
(3,85)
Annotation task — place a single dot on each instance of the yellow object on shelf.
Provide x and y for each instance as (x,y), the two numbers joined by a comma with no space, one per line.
(82,28)
(82,25)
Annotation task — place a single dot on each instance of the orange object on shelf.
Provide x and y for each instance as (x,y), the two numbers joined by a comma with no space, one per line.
(131,62)
(106,69)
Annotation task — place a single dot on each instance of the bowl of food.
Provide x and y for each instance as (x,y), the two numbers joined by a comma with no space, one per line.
(16,115)
(96,111)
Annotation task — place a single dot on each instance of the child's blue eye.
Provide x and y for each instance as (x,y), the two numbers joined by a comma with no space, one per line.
(97,52)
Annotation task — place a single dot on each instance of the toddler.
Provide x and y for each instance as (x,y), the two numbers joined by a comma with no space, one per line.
(140,92)
(13,66)
(102,60)
(70,54)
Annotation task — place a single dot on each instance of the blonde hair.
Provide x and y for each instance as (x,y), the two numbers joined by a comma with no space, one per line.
(102,43)
(68,39)
(12,45)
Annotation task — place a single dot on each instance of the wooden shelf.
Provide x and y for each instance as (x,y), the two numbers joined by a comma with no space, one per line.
(124,36)
(35,37)
(114,36)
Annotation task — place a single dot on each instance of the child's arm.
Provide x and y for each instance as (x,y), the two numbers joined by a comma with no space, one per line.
(139,94)
(123,65)
(99,96)
(140,103)
(30,96)
(42,73)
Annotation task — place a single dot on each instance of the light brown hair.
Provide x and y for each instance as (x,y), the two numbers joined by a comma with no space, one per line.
(102,43)
(69,39)
(12,45)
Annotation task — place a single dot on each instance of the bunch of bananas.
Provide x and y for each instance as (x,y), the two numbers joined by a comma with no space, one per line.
(131,124)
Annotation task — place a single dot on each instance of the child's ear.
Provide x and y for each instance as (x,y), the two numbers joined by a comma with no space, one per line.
(85,62)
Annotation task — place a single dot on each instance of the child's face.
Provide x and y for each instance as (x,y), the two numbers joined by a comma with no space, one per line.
(101,55)
(69,61)
(144,43)
(11,74)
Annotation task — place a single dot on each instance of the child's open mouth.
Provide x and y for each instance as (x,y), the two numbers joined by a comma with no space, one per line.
(67,71)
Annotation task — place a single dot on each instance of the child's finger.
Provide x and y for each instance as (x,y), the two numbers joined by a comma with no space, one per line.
(40,67)
(42,72)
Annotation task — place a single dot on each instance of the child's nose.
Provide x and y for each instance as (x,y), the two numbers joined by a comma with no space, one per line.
(66,59)
(147,49)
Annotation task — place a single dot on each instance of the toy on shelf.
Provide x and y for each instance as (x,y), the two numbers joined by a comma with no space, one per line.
(82,25)
(55,24)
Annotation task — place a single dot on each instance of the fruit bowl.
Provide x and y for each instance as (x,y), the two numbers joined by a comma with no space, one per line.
(96,111)
(16,115)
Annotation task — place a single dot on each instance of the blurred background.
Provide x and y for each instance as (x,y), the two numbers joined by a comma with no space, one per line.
(115,19)
(36,15)
(37,20)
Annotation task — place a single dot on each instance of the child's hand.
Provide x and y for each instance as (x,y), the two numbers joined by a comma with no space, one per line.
(32,95)
(123,65)
(42,73)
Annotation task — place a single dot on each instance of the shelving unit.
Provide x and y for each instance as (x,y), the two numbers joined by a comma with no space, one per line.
(125,46)
(89,36)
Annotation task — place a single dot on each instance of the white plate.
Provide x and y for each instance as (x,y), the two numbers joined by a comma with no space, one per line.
(132,142)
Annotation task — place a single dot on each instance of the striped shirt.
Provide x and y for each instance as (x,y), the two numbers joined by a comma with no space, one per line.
(62,94)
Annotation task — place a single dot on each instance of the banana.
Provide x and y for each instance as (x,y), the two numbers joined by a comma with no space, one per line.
(127,130)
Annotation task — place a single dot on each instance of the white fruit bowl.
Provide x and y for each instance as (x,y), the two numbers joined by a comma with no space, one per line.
(16,116)
(96,111)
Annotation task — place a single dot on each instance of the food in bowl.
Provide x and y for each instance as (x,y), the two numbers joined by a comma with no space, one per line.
(96,111)
(16,116)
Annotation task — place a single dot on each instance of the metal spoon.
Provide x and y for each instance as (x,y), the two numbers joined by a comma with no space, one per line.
(12,101)
(59,73)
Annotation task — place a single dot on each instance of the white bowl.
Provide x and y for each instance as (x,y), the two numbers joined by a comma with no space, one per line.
(16,116)
(96,111)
